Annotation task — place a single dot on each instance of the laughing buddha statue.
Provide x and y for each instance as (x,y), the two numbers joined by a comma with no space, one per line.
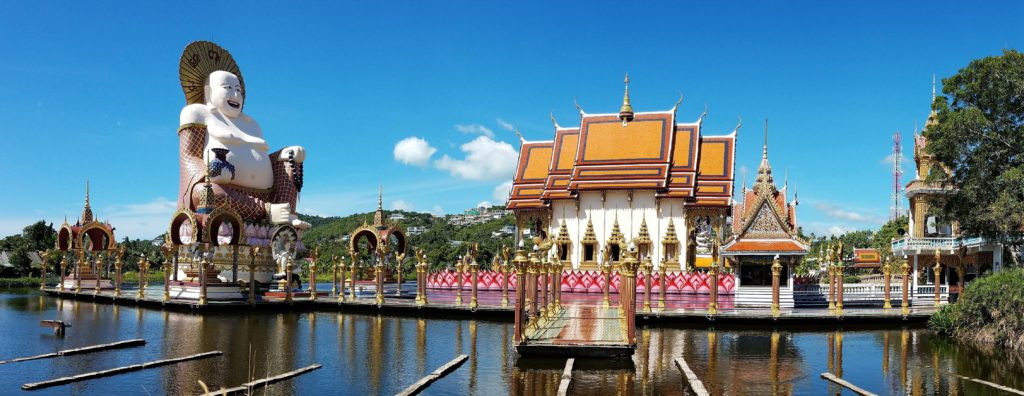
(220,142)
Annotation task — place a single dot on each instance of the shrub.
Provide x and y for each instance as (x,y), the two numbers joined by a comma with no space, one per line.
(988,311)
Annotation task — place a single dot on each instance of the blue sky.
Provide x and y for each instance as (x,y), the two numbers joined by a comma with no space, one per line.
(91,91)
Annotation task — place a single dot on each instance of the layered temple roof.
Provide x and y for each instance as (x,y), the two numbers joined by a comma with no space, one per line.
(765,223)
(626,151)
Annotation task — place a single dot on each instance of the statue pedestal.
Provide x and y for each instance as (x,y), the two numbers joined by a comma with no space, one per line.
(191,287)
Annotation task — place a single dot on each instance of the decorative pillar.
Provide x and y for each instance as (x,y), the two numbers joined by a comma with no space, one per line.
(63,268)
(458,280)
(255,252)
(312,274)
(421,278)
(520,263)
(559,267)
(938,276)
(378,276)
(42,270)
(553,263)
(352,273)
(905,304)
(504,275)
(96,273)
(606,272)
(628,294)
(117,272)
(713,301)
(78,270)
(887,274)
(839,278)
(542,284)
(662,283)
(339,272)
(473,270)
(829,255)
(399,259)
(532,281)
(143,275)
(334,278)
(289,268)
(203,262)
(648,283)
(776,271)
(166,267)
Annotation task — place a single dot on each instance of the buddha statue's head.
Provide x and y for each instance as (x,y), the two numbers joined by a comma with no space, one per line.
(224,92)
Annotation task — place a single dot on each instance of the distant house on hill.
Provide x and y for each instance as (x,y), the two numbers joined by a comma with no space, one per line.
(396,217)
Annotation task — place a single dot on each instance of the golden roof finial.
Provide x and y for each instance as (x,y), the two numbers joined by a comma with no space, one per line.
(626,111)
(87,210)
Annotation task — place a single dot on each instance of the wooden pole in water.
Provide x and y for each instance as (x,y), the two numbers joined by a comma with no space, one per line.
(248,387)
(117,370)
(76,351)
(841,382)
(422,384)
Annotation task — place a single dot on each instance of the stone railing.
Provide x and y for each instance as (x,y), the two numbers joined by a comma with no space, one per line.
(850,292)
(949,243)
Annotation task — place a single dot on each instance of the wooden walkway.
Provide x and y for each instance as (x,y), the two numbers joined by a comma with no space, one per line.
(578,330)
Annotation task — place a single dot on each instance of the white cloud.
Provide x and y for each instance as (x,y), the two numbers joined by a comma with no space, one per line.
(437,211)
(139,220)
(486,159)
(506,126)
(475,129)
(399,204)
(484,204)
(501,191)
(413,151)
(826,229)
(843,214)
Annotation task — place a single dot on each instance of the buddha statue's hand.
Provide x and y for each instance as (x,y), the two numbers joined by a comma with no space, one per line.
(293,152)
(257,143)
(279,213)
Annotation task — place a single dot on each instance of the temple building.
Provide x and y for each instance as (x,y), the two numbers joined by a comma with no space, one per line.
(764,228)
(89,248)
(643,177)
(960,256)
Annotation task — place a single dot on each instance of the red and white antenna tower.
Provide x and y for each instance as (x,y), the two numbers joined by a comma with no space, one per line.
(895,209)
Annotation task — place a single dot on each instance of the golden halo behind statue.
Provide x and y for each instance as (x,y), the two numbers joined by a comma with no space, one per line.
(199,59)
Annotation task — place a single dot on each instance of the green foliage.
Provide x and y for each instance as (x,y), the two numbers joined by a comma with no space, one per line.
(978,139)
(25,281)
(987,312)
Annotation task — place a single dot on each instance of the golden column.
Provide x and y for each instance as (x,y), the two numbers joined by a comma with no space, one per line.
(628,292)
(399,261)
(839,278)
(166,251)
(78,270)
(505,253)
(42,270)
(203,262)
(378,276)
(776,271)
(143,278)
(713,301)
(289,271)
(606,271)
(554,268)
(542,283)
(938,276)
(312,273)
(905,270)
(253,288)
(531,281)
(458,280)
(520,263)
(663,283)
(887,275)
(96,273)
(474,271)
(831,269)
(559,267)
(117,272)
(63,268)
(334,277)
(352,273)
(648,283)
(339,266)
(421,279)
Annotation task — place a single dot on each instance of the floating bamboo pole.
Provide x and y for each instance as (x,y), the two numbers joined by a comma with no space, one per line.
(846,384)
(422,384)
(117,370)
(251,386)
(563,387)
(87,349)
(695,384)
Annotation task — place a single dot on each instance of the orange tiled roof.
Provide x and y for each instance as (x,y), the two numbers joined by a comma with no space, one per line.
(649,152)
(767,246)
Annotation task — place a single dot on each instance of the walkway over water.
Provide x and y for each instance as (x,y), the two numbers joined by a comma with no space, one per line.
(579,330)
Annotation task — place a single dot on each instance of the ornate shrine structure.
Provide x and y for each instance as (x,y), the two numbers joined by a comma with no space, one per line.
(937,252)
(764,230)
(234,195)
(91,245)
(384,241)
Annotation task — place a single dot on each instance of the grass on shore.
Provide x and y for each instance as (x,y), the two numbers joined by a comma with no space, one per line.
(988,312)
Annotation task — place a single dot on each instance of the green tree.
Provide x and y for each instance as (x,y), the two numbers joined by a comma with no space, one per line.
(40,236)
(979,140)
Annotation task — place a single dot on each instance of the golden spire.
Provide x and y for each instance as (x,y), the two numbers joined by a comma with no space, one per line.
(378,216)
(670,233)
(644,236)
(933,116)
(87,210)
(589,236)
(764,171)
(626,111)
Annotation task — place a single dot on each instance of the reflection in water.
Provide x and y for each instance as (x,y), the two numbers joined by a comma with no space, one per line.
(372,354)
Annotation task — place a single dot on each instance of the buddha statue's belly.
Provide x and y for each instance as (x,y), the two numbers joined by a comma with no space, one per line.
(252,166)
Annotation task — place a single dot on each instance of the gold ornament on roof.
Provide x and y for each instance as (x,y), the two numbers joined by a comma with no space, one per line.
(563,234)
(616,237)
(626,111)
(670,234)
(589,237)
(644,237)
(200,59)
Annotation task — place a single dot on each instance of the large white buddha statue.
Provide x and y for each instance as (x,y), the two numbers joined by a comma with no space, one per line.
(217,139)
